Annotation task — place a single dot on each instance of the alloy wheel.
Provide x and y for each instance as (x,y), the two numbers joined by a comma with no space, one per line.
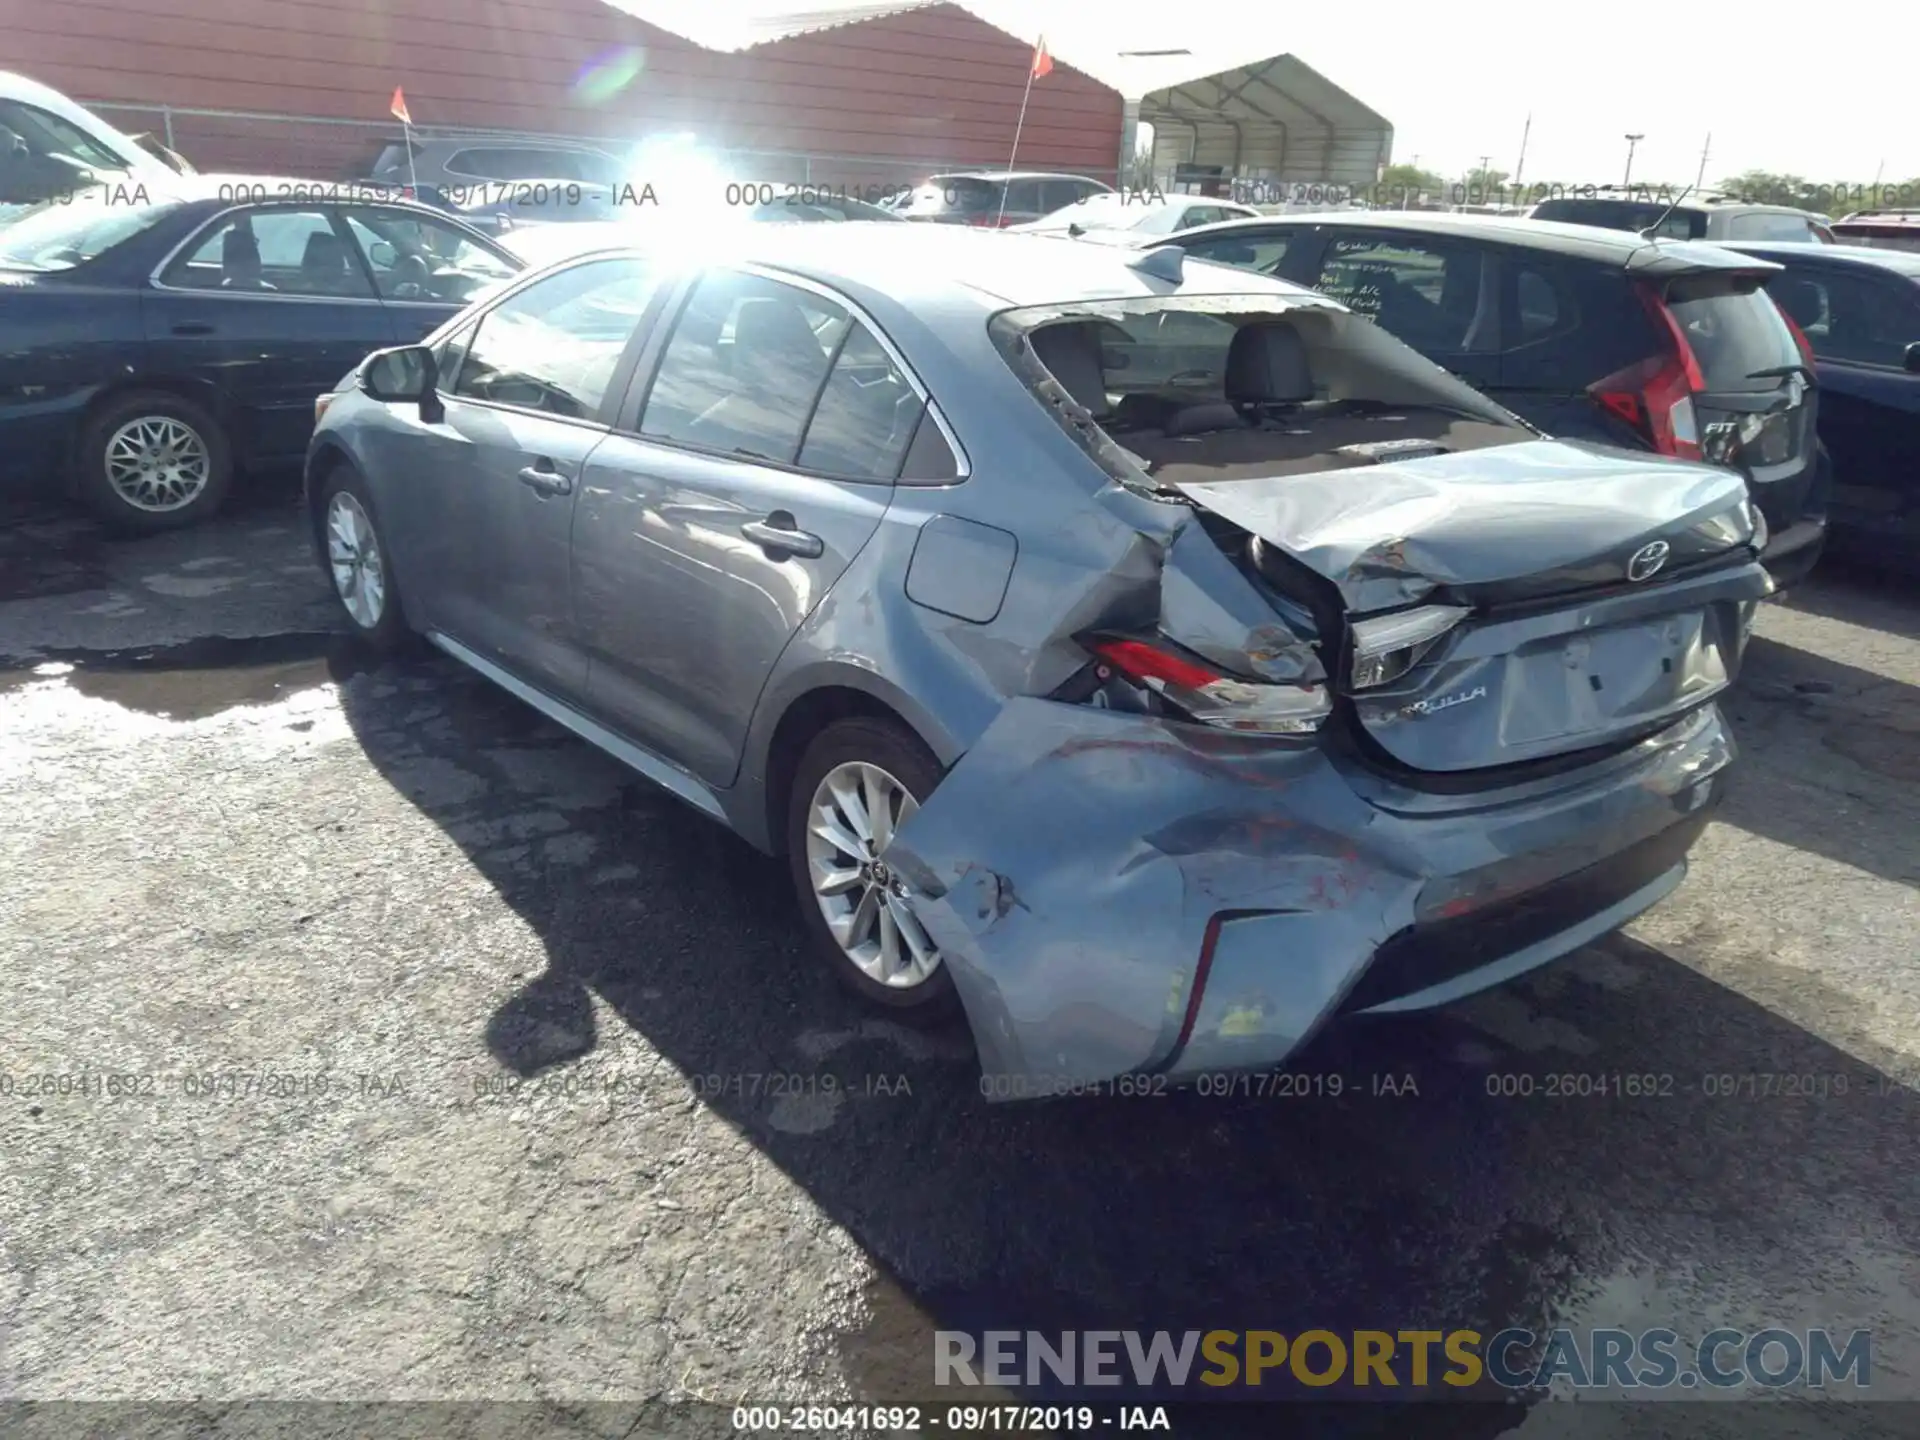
(157,463)
(856,809)
(353,554)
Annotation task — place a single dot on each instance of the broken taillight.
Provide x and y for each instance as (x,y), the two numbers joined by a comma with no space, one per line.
(1207,696)
(1388,646)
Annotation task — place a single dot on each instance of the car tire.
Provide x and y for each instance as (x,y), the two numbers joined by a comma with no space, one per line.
(358,564)
(889,757)
(148,461)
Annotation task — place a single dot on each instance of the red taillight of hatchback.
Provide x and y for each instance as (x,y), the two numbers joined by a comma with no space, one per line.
(1799,338)
(1655,395)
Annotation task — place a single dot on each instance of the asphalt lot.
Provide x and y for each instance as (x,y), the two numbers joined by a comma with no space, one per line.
(235,847)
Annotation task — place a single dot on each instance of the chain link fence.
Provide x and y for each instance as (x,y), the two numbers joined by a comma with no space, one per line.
(309,147)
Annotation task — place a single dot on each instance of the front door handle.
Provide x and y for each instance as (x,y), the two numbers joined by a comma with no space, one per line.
(193,327)
(547,482)
(778,532)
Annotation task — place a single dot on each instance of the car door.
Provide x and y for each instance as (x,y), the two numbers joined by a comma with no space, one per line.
(1441,296)
(425,269)
(1860,324)
(271,305)
(486,494)
(743,480)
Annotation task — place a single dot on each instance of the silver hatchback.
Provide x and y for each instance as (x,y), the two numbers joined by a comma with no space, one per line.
(1151,660)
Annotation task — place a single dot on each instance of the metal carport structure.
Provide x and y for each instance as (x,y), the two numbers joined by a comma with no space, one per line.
(1276,119)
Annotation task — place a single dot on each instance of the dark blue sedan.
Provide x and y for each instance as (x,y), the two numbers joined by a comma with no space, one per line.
(154,343)
(1860,310)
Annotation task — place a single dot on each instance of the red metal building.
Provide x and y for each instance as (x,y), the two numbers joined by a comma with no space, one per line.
(856,95)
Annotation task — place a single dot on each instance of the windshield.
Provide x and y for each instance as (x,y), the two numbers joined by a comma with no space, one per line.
(1229,386)
(1734,329)
(60,234)
(1634,215)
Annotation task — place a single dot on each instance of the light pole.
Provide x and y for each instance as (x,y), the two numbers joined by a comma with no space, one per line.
(1632,140)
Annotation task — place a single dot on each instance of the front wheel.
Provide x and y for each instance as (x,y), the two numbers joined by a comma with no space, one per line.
(359,564)
(857,784)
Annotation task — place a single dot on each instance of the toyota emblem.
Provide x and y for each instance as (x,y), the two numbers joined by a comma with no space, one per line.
(1647,560)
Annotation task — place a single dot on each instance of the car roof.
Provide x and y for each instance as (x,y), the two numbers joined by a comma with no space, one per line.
(271,189)
(1696,203)
(1903,262)
(984,270)
(1582,242)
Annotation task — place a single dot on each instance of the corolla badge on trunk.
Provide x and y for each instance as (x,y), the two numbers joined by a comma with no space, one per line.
(1434,707)
(1647,560)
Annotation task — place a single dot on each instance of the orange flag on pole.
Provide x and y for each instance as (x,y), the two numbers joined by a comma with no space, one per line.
(1042,61)
(399,109)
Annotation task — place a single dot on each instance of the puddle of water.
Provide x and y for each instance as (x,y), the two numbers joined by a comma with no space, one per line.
(199,678)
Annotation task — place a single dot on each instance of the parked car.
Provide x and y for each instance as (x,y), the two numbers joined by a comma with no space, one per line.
(1588,334)
(543,244)
(154,349)
(1881,229)
(464,166)
(995,197)
(1698,216)
(52,148)
(1134,213)
(1155,661)
(1860,310)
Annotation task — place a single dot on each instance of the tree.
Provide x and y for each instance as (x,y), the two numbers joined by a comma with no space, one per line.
(1410,178)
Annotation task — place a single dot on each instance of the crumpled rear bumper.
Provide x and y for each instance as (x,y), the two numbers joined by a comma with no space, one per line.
(1116,894)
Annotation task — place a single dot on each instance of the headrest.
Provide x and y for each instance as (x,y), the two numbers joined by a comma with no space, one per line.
(239,248)
(1267,365)
(1072,353)
(776,331)
(324,252)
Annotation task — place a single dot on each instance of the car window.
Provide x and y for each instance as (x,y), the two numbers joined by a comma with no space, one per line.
(416,257)
(553,346)
(1634,215)
(1055,193)
(60,234)
(1262,250)
(866,416)
(1850,317)
(1734,330)
(1541,309)
(745,362)
(46,134)
(285,252)
(515,163)
(1793,229)
(1428,295)
(1023,196)
(950,193)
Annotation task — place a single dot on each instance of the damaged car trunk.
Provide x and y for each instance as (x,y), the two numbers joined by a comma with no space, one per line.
(1481,601)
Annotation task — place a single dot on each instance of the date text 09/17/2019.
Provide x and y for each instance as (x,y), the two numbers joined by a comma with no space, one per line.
(950,1419)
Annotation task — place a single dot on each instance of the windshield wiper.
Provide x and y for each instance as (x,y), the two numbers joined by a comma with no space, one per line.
(1780,372)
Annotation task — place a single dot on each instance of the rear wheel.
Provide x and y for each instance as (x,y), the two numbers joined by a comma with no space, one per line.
(358,563)
(856,785)
(149,461)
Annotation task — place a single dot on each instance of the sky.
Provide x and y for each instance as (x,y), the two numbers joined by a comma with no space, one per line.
(1827,95)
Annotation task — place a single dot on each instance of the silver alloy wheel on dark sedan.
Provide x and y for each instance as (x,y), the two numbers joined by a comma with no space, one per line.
(353,557)
(856,808)
(158,463)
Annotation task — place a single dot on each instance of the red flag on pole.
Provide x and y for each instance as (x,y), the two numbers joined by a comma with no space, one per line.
(399,109)
(1042,61)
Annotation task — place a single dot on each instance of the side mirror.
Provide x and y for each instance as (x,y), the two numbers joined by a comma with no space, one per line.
(1913,358)
(405,373)
(382,254)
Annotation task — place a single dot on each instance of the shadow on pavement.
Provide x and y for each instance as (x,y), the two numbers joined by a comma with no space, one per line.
(1466,1198)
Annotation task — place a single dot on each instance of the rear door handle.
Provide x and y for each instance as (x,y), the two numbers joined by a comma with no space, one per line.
(779,532)
(547,482)
(193,327)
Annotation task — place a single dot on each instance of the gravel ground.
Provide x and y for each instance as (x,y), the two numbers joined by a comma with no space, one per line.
(560,1110)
